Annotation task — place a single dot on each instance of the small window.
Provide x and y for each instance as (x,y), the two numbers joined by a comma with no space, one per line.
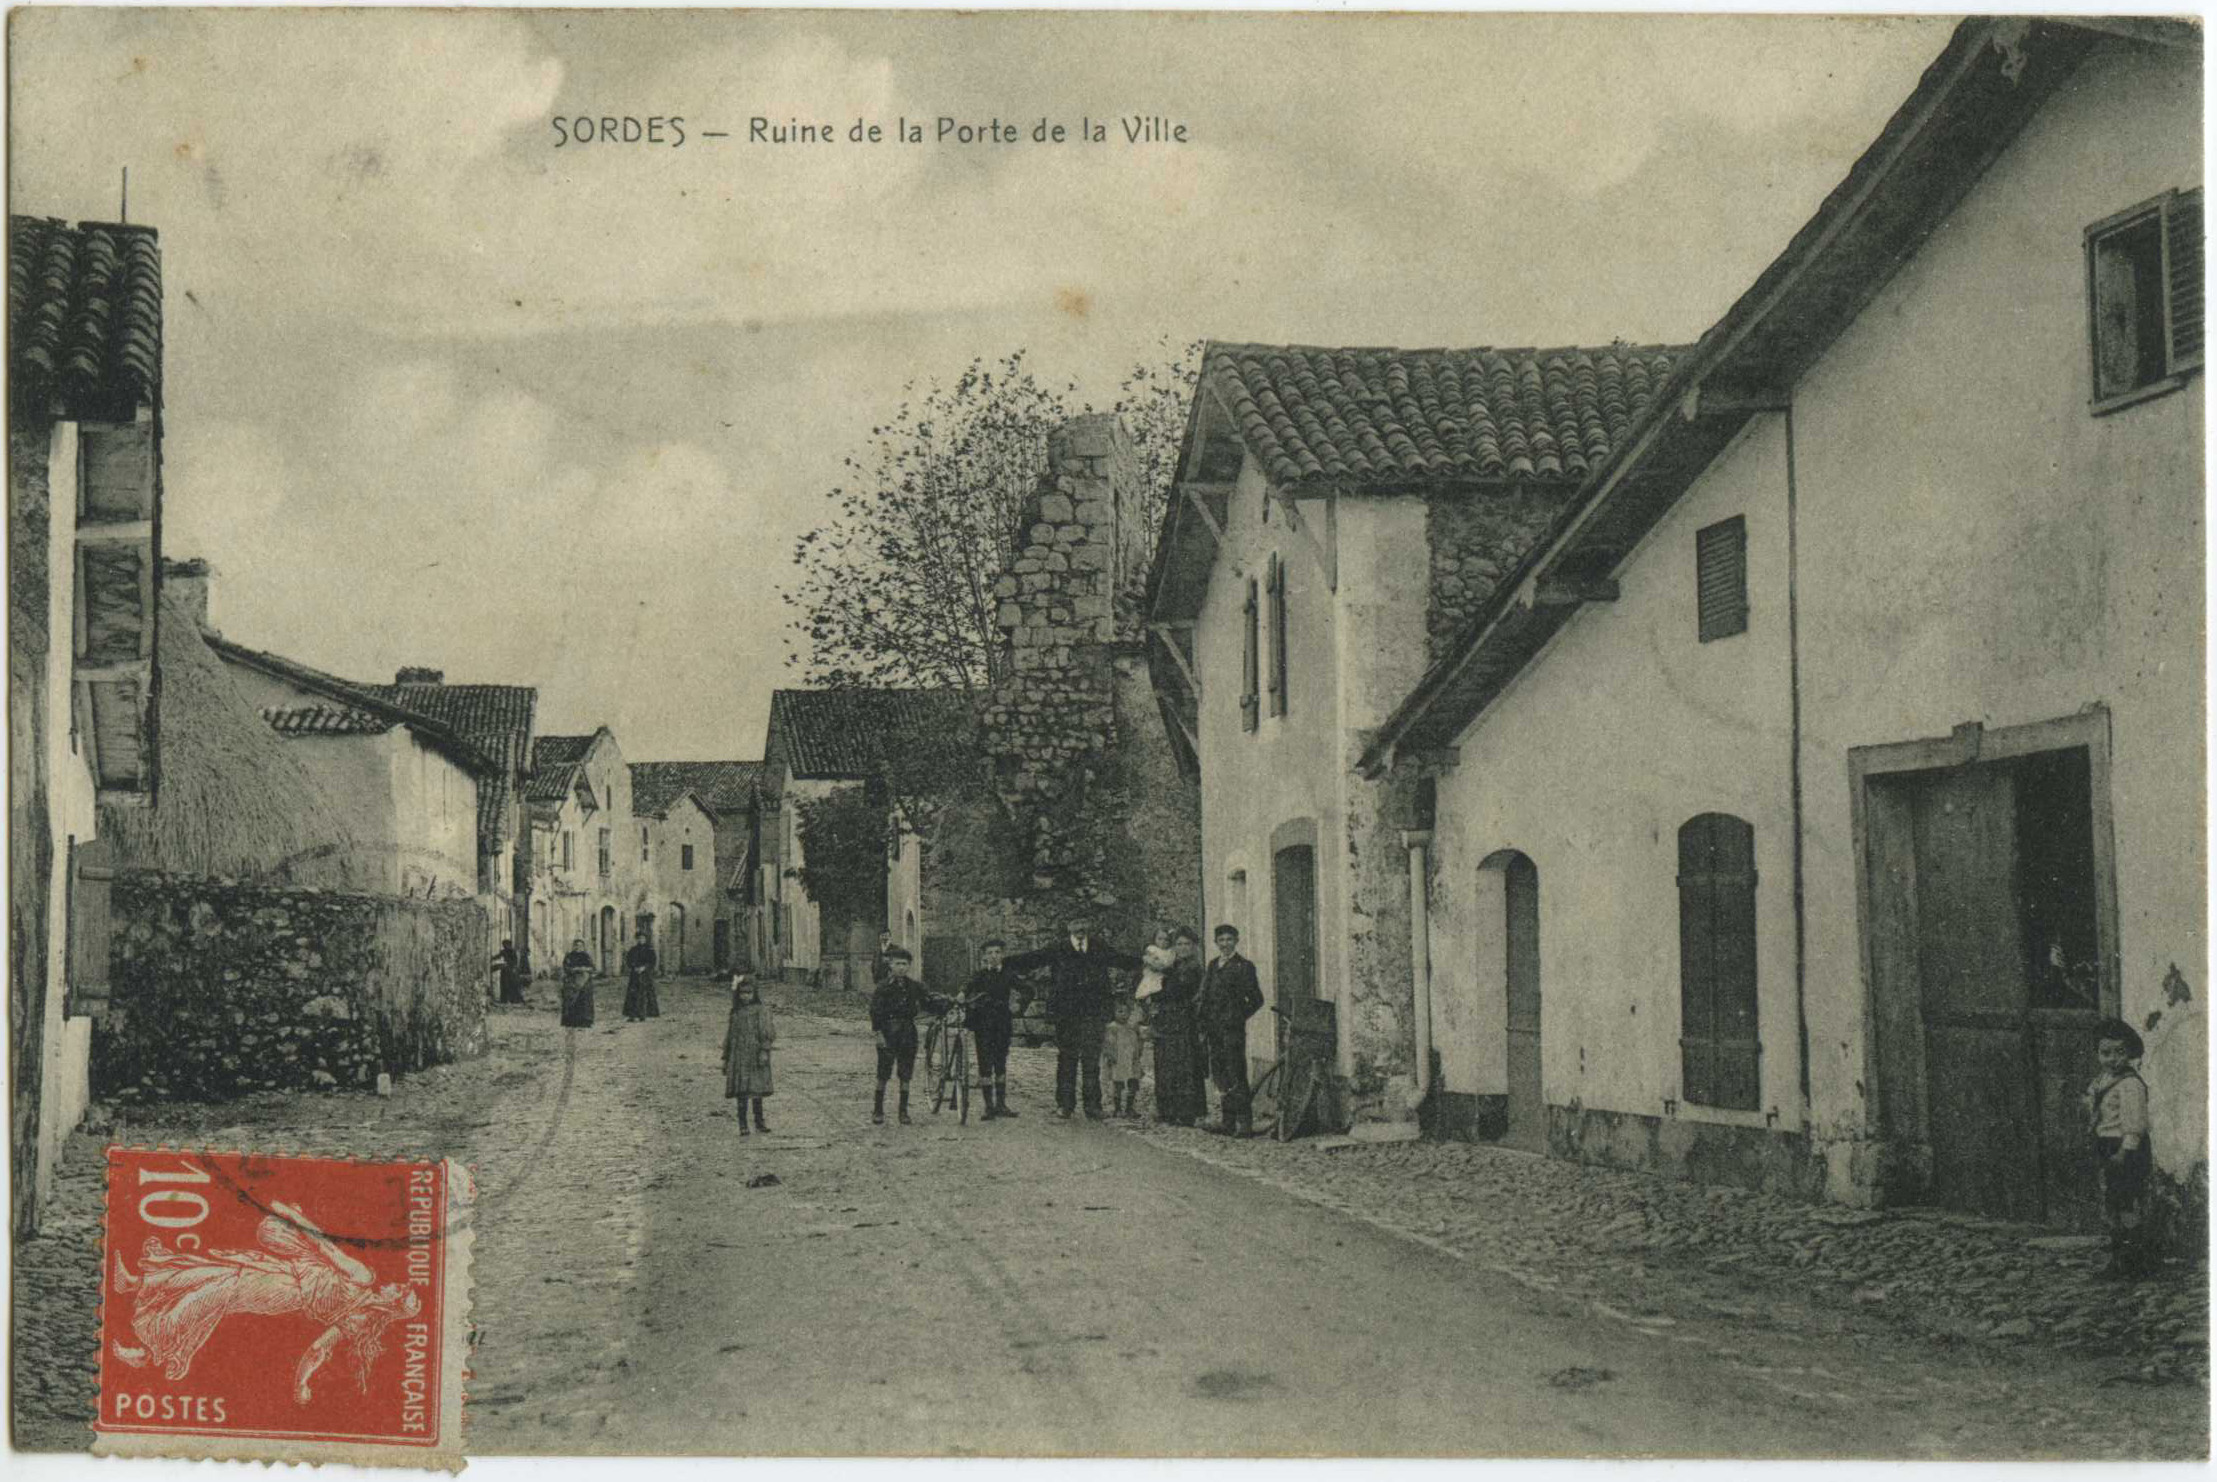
(1277,636)
(607,853)
(1250,662)
(685,856)
(1720,576)
(2144,297)
(569,853)
(643,859)
(1721,1053)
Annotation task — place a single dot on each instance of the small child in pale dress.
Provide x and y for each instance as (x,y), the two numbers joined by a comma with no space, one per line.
(1121,1044)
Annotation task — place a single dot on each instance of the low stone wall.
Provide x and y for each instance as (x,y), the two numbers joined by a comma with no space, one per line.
(221,989)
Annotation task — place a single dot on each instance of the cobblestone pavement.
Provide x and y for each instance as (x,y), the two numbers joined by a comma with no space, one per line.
(647,1282)
(2014,1315)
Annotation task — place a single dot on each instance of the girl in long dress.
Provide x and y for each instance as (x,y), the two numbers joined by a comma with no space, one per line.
(577,987)
(1179,1099)
(747,1041)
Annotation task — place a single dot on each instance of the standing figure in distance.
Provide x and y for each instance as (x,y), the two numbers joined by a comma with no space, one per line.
(1230,995)
(747,1041)
(640,1000)
(1079,998)
(577,987)
(511,974)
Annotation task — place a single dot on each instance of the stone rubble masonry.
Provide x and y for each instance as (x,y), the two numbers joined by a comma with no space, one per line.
(1093,814)
(221,989)
(30,847)
(1477,541)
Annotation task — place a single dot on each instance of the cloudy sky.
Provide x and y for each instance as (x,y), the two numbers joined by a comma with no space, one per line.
(441,392)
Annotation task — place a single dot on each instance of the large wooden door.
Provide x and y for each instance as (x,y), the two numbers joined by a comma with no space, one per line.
(1521,921)
(1293,890)
(1980,1056)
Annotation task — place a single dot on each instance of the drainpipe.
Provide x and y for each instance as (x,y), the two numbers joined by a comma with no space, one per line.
(1793,669)
(1419,844)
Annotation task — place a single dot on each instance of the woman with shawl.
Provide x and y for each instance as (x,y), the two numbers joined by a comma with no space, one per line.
(1179,1099)
(640,1000)
(577,987)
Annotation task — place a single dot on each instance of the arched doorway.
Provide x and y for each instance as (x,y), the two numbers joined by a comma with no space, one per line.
(1519,883)
(607,939)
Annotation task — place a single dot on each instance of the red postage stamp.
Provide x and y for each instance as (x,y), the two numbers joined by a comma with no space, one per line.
(283,1308)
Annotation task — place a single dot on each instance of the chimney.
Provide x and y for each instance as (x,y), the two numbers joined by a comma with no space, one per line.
(420,676)
(187,581)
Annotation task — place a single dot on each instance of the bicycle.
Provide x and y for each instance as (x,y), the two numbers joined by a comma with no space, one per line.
(949,1039)
(1283,1083)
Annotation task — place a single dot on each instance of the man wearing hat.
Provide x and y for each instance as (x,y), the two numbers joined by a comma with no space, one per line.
(893,1010)
(1080,1001)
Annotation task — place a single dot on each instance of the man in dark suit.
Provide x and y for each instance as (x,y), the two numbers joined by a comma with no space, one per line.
(1229,997)
(1080,1002)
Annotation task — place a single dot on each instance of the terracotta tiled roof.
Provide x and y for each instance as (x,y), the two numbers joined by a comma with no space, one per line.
(847,733)
(1353,417)
(324,720)
(554,762)
(722,787)
(495,718)
(84,317)
(347,695)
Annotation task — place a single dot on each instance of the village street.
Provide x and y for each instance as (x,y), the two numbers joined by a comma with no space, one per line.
(643,1285)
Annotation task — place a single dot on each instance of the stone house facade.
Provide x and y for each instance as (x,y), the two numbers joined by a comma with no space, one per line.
(1339,516)
(1854,775)
(735,931)
(680,855)
(84,515)
(590,881)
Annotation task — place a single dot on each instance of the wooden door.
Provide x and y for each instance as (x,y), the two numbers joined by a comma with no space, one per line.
(1521,934)
(1981,1072)
(722,946)
(1293,894)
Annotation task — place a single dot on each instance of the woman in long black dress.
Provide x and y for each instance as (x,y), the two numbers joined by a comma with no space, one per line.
(577,987)
(1179,1099)
(640,1001)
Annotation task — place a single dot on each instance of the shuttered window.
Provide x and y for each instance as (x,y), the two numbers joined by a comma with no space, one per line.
(1720,573)
(1278,664)
(1718,1044)
(85,955)
(684,856)
(1250,662)
(2144,297)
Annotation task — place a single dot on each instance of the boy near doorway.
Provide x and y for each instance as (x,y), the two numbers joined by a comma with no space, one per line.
(2117,1114)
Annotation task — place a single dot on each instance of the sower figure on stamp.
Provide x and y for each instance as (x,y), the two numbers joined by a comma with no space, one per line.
(1230,995)
(992,1024)
(893,1010)
(747,1041)
(1079,1002)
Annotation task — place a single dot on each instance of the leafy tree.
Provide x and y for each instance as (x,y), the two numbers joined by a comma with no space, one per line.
(896,587)
(843,841)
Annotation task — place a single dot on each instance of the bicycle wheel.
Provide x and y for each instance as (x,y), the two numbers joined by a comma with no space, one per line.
(960,1055)
(931,1049)
(1264,1101)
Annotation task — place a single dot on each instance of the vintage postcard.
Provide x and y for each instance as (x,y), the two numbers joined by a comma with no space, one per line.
(794,733)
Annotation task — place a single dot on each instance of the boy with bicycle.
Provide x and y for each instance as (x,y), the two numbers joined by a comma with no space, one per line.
(894,1008)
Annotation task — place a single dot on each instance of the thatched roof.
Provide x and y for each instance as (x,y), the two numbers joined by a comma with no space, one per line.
(234,800)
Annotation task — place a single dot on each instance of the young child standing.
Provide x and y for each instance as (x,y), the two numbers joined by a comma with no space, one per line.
(1120,1046)
(747,1041)
(2117,1115)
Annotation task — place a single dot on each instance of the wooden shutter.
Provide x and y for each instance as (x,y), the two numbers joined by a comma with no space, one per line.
(85,956)
(1250,662)
(1277,636)
(1718,1041)
(2182,263)
(1720,561)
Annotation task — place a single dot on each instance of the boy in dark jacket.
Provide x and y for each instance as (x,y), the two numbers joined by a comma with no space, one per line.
(893,1010)
(1230,995)
(992,1022)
